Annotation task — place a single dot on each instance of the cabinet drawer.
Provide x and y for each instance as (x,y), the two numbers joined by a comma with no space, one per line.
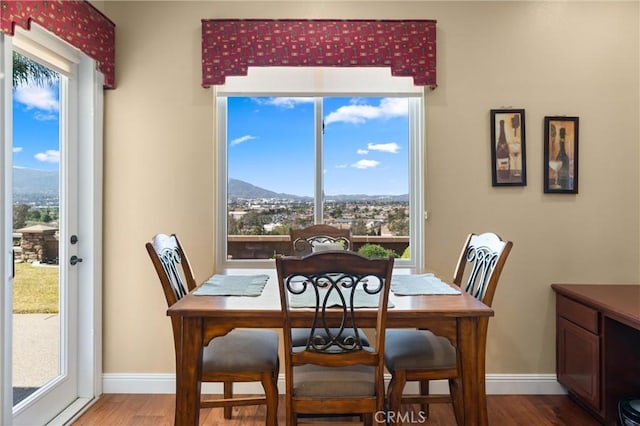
(578,313)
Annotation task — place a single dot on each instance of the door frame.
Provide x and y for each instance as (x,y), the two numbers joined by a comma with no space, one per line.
(89,128)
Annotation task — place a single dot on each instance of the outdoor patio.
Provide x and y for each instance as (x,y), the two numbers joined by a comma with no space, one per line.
(35,352)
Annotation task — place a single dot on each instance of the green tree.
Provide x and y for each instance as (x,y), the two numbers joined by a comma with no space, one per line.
(232,226)
(337,211)
(376,250)
(27,71)
(280,230)
(359,227)
(20,212)
(302,222)
(35,215)
(399,227)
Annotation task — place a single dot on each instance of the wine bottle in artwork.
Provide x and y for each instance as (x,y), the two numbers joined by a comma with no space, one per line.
(502,155)
(563,172)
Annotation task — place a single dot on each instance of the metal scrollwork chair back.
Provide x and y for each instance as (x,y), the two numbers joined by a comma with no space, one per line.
(304,240)
(334,371)
(167,254)
(480,265)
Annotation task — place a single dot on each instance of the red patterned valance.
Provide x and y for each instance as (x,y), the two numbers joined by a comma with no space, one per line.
(75,21)
(230,46)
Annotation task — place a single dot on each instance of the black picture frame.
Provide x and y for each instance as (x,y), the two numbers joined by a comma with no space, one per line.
(560,162)
(508,153)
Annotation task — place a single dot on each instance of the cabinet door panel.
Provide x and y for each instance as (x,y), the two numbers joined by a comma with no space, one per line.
(578,361)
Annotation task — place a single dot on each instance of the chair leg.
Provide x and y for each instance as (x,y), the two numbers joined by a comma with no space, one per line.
(482,403)
(270,386)
(228,394)
(290,416)
(424,390)
(367,419)
(456,399)
(394,394)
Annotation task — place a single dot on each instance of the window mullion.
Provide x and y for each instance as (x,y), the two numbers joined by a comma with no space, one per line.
(318,182)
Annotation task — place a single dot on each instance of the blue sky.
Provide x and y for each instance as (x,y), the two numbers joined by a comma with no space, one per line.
(36,127)
(270,144)
(270,141)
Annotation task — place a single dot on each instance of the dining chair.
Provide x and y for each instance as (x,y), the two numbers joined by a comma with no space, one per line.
(420,355)
(315,238)
(304,240)
(242,355)
(334,372)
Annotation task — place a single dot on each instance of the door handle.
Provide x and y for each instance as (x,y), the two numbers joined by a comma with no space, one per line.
(75,259)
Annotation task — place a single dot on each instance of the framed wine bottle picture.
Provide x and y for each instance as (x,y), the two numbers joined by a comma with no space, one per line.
(508,155)
(560,163)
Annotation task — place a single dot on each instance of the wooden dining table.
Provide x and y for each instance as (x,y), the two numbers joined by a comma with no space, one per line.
(206,317)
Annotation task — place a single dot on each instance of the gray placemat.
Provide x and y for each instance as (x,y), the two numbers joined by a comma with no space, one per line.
(233,285)
(412,285)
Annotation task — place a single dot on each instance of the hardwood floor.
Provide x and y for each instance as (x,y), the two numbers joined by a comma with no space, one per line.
(504,410)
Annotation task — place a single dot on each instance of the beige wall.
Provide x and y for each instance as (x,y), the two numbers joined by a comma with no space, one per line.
(557,58)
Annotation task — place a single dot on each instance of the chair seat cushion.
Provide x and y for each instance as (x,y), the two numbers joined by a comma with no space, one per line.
(324,382)
(299,336)
(242,350)
(408,349)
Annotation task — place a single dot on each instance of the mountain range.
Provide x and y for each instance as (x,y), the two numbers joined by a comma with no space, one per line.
(35,181)
(238,189)
(27,181)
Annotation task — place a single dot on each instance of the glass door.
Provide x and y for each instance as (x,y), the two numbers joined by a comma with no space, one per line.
(51,229)
(45,200)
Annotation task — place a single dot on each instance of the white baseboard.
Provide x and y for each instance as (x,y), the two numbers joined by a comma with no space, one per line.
(497,384)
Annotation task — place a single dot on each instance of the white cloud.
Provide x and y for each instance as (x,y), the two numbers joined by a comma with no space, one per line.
(390,147)
(238,141)
(365,164)
(42,98)
(45,116)
(284,102)
(17,149)
(49,156)
(362,151)
(359,113)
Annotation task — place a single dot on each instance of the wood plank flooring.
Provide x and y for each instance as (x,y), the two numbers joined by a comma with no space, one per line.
(504,410)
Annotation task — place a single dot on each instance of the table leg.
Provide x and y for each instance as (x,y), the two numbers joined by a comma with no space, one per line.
(188,373)
(483,416)
(468,352)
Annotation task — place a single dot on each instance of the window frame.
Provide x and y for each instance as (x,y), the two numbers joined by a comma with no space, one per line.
(416,188)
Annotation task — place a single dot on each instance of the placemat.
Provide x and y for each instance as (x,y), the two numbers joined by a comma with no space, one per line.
(409,285)
(233,285)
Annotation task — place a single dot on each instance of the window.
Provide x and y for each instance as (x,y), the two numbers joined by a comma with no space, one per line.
(290,160)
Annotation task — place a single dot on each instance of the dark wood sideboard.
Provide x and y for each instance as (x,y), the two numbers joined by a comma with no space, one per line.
(598,345)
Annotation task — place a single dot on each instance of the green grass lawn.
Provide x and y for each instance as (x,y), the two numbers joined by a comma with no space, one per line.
(35,289)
